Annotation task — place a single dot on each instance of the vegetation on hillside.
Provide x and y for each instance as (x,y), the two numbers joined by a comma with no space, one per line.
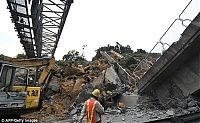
(129,61)
(130,58)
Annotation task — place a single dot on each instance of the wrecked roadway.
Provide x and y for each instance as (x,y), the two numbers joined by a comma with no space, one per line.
(148,110)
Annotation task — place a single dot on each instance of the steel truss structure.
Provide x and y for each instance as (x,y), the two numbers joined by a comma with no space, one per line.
(39,24)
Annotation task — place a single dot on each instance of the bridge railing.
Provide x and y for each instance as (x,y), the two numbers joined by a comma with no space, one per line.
(161,42)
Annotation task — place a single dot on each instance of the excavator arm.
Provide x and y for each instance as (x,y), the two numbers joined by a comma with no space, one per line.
(44,76)
(33,93)
(39,62)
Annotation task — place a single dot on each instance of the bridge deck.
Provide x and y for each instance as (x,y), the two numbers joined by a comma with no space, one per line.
(178,65)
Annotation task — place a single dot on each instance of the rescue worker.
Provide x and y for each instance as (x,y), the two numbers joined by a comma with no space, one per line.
(92,109)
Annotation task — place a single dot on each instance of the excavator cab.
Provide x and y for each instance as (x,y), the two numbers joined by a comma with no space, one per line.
(15,92)
(13,83)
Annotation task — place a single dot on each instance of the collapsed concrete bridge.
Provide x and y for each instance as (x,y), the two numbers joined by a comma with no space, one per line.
(176,74)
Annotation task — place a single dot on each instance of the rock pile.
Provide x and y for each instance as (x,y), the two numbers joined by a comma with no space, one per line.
(77,80)
(66,95)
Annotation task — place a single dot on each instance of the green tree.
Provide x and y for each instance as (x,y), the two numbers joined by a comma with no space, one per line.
(141,51)
(21,56)
(61,63)
(1,57)
(4,58)
(129,61)
(117,48)
(73,56)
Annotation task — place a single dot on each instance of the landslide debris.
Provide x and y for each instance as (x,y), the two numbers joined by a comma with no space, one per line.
(63,91)
(67,93)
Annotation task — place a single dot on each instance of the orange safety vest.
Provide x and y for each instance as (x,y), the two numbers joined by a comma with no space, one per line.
(91,111)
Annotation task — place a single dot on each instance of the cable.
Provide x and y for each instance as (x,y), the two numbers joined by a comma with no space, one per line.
(160,42)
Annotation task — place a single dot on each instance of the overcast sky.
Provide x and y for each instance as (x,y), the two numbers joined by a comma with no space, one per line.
(96,23)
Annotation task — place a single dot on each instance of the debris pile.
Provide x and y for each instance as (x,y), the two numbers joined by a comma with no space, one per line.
(118,95)
(148,109)
(66,95)
(64,92)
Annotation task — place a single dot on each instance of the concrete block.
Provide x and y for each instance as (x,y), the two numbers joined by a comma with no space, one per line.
(112,76)
(129,100)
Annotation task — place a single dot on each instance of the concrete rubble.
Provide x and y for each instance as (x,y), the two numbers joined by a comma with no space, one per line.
(119,96)
(127,106)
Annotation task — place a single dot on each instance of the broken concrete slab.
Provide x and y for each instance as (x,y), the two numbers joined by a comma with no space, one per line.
(98,82)
(176,73)
(123,75)
(129,100)
(112,77)
(110,60)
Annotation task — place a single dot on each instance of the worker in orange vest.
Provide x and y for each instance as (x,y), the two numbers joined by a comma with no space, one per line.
(92,109)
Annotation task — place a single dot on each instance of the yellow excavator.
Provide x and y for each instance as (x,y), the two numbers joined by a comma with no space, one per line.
(18,92)
(39,24)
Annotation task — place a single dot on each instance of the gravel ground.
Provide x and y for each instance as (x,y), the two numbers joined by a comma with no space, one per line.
(133,115)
